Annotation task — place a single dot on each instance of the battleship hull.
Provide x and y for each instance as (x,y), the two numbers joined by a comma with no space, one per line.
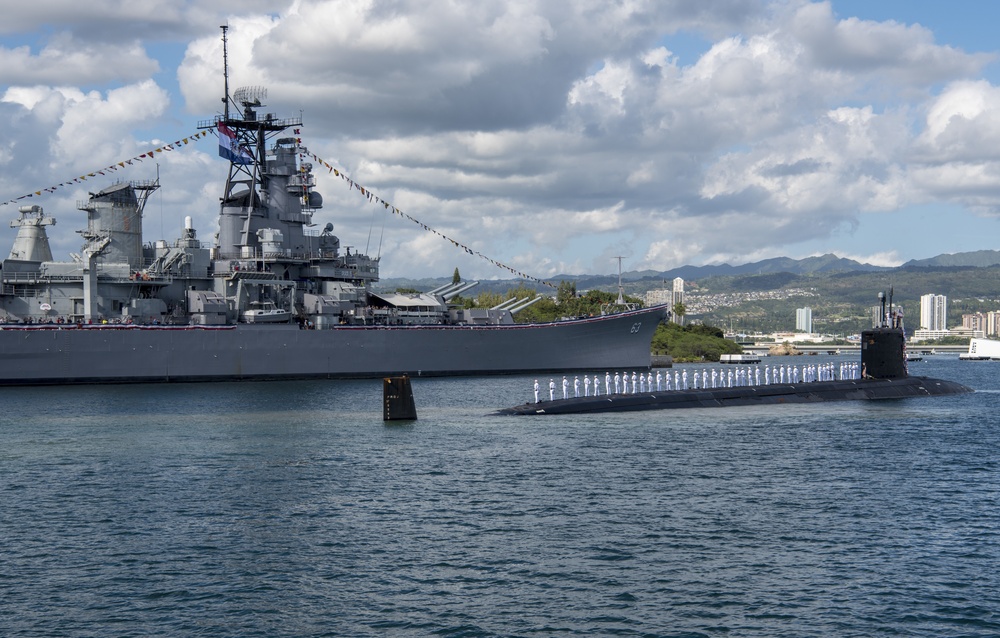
(779,393)
(38,355)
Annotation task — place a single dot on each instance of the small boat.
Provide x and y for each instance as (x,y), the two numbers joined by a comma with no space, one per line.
(265,312)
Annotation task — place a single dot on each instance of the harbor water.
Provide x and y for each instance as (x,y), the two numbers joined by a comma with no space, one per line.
(291,509)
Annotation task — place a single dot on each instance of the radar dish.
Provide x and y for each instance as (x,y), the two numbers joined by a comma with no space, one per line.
(250,95)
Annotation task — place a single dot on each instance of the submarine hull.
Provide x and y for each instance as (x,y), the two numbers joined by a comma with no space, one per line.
(779,393)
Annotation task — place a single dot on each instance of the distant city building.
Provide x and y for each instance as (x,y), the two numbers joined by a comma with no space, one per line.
(658,296)
(804,319)
(923,334)
(967,333)
(993,323)
(974,321)
(876,314)
(671,297)
(933,312)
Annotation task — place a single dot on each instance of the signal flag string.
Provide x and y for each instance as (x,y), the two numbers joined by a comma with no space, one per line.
(111,168)
(375,199)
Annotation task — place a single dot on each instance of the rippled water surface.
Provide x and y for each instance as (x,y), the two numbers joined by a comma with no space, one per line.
(290,509)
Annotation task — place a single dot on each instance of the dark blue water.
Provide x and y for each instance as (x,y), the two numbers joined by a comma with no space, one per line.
(290,509)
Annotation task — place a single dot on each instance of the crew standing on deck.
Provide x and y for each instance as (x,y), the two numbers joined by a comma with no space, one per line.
(536,390)
(586,386)
(576,387)
(552,389)
(565,386)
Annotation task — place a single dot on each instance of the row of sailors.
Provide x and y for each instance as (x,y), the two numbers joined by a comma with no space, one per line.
(730,378)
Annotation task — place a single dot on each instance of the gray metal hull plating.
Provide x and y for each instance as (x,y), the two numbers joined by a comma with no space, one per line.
(110,354)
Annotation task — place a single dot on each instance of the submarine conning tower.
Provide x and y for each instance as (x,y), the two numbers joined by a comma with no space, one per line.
(883,348)
(883,354)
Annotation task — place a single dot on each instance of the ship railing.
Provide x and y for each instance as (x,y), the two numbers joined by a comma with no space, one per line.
(20,291)
(37,278)
(270,121)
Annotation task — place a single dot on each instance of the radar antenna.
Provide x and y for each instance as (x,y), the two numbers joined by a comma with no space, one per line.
(620,305)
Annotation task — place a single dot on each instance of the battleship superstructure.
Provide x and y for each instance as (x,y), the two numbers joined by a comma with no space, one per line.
(271,297)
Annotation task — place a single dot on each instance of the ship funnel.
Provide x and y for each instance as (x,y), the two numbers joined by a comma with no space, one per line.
(32,242)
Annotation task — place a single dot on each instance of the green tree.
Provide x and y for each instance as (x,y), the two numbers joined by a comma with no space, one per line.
(455,278)
(692,343)
(566,292)
(679,311)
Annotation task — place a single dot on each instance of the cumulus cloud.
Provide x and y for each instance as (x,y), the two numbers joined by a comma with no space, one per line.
(66,61)
(549,135)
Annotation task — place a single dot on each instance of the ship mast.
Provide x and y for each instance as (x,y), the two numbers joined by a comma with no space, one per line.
(243,140)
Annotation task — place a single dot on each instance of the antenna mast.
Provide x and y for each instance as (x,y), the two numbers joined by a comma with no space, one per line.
(621,290)
(225,68)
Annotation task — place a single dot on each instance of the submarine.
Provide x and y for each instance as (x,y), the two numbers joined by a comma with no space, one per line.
(884,375)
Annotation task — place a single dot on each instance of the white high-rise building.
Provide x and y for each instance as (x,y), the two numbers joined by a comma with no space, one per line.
(804,319)
(677,298)
(672,297)
(934,312)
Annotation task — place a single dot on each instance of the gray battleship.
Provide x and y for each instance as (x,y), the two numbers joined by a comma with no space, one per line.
(271,297)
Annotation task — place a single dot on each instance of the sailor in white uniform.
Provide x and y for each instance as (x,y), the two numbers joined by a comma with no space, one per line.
(618,383)
(552,390)
(536,390)
(576,387)
(607,383)
(597,386)
(565,385)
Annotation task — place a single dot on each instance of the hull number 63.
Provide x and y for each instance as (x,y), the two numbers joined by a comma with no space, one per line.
(635,327)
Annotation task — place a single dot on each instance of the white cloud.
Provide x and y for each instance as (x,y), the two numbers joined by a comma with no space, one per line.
(548,135)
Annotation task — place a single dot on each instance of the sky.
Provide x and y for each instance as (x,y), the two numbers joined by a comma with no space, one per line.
(548,136)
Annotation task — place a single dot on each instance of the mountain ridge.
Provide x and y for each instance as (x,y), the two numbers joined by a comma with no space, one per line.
(820,264)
